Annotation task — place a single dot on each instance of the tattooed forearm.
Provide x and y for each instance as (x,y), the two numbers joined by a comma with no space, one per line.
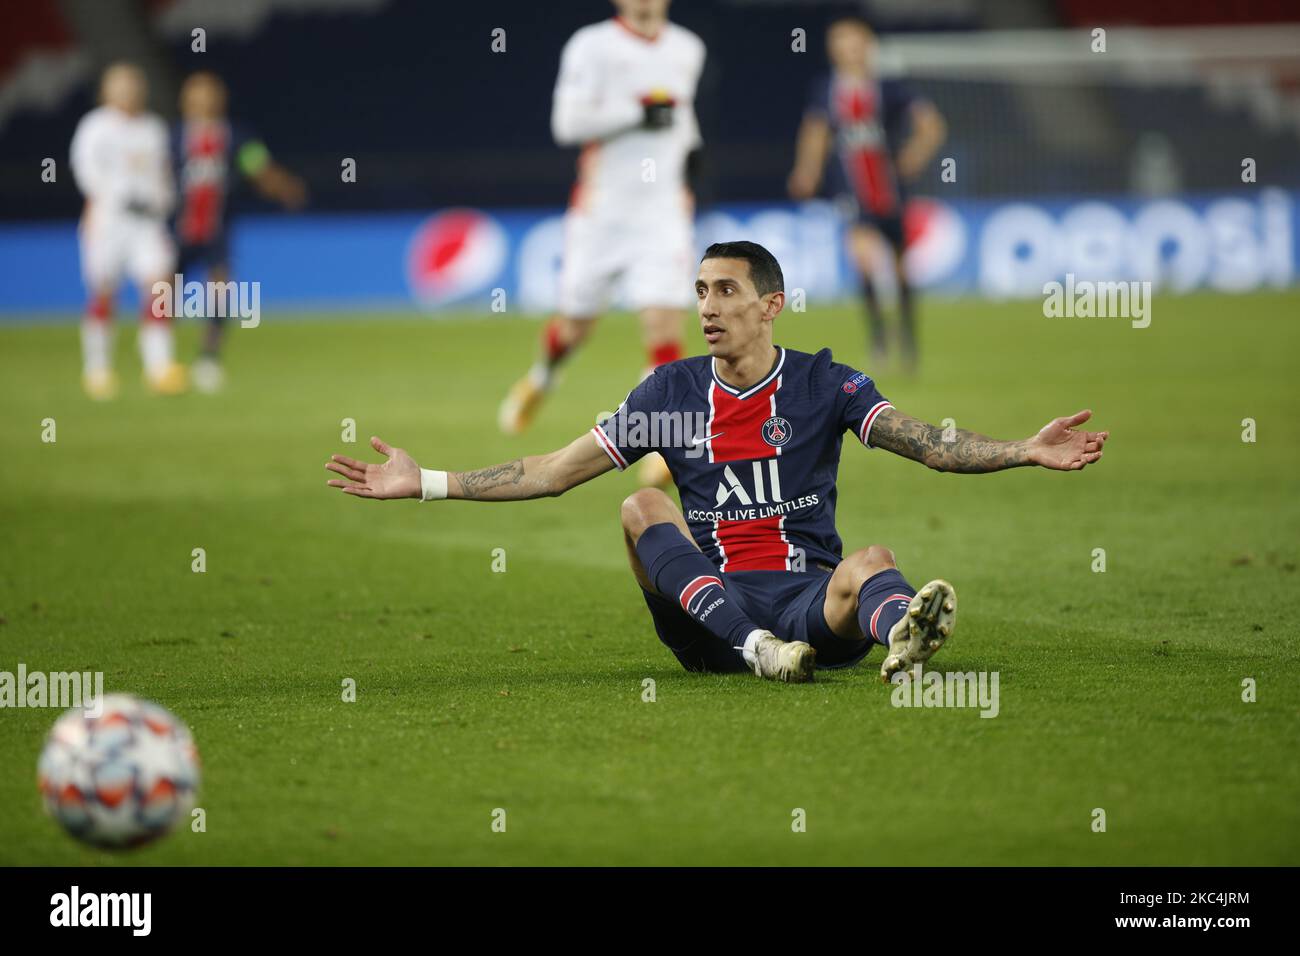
(535,476)
(965,452)
(504,482)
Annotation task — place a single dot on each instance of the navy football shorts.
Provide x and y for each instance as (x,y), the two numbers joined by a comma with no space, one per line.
(889,226)
(787,603)
(212,254)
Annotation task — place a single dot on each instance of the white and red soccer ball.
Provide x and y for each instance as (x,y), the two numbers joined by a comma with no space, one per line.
(119,778)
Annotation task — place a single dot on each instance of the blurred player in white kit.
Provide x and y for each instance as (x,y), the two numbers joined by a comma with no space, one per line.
(122,164)
(625,93)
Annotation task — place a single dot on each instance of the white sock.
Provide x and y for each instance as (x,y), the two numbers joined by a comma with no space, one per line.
(748,651)
(156,346)
(541,375)
(96,345)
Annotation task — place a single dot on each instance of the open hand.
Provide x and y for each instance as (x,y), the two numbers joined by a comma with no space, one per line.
(399,477)
(1057,444)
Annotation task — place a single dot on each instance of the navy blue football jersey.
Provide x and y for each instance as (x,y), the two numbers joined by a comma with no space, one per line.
(205,154)
(756,469)
(868,120)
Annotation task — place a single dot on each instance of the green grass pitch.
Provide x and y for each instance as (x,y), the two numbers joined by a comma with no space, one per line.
(522,690)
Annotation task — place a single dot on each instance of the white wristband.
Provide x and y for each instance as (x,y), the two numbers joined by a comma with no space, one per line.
(433,485)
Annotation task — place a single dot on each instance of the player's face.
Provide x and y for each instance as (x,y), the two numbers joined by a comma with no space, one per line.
(851,47)
(642,9)
(124,88)
(731,311)
(203,97)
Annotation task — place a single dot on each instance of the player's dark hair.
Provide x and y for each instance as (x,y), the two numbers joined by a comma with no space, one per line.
(764,270)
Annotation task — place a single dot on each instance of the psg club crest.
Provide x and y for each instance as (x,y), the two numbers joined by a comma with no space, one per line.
(776,432)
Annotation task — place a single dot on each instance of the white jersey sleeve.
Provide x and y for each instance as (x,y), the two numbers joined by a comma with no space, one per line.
(692,122)
(89,162)
(582,109)
(164,180)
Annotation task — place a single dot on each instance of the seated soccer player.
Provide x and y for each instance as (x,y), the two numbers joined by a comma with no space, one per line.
(749,574)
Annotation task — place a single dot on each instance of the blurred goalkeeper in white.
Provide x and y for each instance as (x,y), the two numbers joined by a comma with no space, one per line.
(122,163)
(626,94)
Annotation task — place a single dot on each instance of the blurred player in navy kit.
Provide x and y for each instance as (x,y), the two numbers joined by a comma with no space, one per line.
(625,94)
(881,136)
(207,146)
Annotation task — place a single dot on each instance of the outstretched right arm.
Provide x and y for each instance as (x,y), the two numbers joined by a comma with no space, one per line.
(537,476)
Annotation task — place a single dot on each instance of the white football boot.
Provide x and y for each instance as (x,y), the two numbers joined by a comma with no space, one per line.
(924,629)
(520,406)
(788,661)
(100,384)
(207,375)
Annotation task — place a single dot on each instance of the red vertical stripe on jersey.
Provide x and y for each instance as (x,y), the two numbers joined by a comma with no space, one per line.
(854,104)
(868,168)
(871,170)
(202,201)
(738,424)
(754,545)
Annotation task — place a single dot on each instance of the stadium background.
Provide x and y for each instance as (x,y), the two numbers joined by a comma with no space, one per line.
(1123,164)
(477,690)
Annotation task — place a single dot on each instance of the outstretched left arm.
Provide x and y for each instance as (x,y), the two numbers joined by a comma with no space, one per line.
(1057,445)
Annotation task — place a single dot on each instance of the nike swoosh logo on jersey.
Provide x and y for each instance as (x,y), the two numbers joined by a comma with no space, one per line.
(701,441)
